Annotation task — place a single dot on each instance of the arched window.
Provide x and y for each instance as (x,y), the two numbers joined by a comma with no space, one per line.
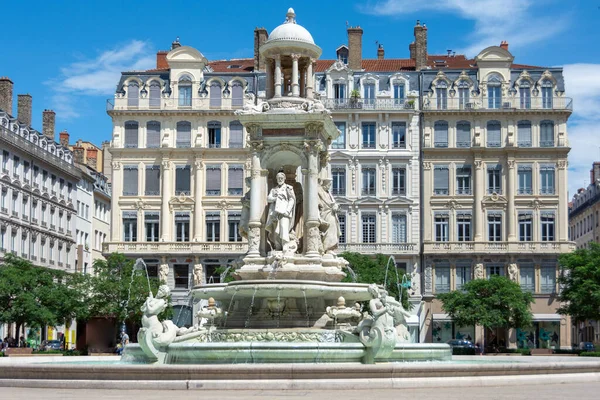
(214,134)
(463,134)
(236,135)
(441,90)
(237,94)
(547,94)
(154,94)
(524,134)
(463,94)
(133,94)
(547,133)
(215,94)
(184,134)
(184,87)
(494,85)
(440,134)
(525,94)
(153,134)
(131,134)
(494,134)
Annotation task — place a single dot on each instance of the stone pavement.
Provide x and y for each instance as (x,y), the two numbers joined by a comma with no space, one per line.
(546,392)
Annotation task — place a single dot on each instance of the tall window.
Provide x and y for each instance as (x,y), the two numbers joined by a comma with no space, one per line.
(547,94)
(340,142)
(213,180)
(154,94)
(399,135)
(442,95)
(236,135)
(153,134)
(463,179)
(398,228)
(131,134)
(368,181)
(339,91)
(130,226)
(398,181)
(442,277)
(399,94)
(184,134)
(440,134)
(133,94)
(152,221)
(463,94)
(525,226)
(182,276)
(494,91)
(494,226)
(369,95)
(233,222)
(494,175)
(185,91)
(5,158)
(527,276)
(524,175)
(214,134)
(494,134)
(130,180)
(547,134)
(548,277)
(213,227)
(152,180)
(442,223)
(548,232)
(525,94)
(338,187)
(342,221)
(463,225)
(440,179)
(235,180)
(237,94)
(547,179)
(182,226)
(368,135)
(524,134)
(182,180)
(368,228)
(463,134)
(215,94)
(463,273)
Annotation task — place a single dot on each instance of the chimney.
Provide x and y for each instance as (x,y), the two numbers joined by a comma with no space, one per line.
(64,138)
(175,44)
(48,119)
(161,60)
(6,94)
(260,36)
(411,49)
(595,172)
(504,45)
(78,154)
(24,108)
(355,48)
(380,52)
(92,158)
(420,46)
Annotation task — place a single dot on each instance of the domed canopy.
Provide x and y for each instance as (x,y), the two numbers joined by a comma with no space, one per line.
(291,31)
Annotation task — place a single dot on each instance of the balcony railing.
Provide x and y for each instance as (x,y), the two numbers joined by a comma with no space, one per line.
(510,103)
(15,214)
(369,104)
(383,248)
(175,247)
(499,247)
(43,260)
(4,210)
(173,103)
(34,221)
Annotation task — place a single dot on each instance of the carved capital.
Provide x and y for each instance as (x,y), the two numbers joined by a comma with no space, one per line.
(562,164)
(198,165)
(253,129)
(257,146)
(478,164)
(427,166)
(116,165)
(313,128)
(511,164)
(166,165)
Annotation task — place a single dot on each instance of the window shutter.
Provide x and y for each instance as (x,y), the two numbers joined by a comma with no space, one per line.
(213,180)
(463,134)
(130,180)
(184,134)
(213,216)
(440,179)
(399,228)
(237,94)
(152,180)
(441,134)
(153,134)
(155,94)
(547,134)
(182,179)
(494,133)
(133,94)
(235,179)
(236,135)
(131,134)
(215,94)
(182,217)
(151,216)
(524,134)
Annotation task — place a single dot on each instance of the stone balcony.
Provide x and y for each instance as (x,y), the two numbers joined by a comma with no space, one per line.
(170,103)
(498,247)
(176,248)
(380,248)
(557,103)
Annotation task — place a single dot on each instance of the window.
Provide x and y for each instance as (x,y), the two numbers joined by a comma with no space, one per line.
(26,173)
(338,187)
(547,134)
(368,181)
(440,179)
(133,94)
(185,91)
(213,180)
(494,269)
(463,134)
(235,180)
(440,134)
(442,95)
(342,221)
(548,277)
(399,93)
(152,180)
(463,179)
(527,276)
(184,134)
(214,134)
(442,277)
(463,225)
(494,134)
(547,94)
(368,228)
(213,227)
(233,222)
(130,226)
(339,91)
(525,94)
(547,220)
(494,91)
(215,94)
(45,180)
(154,94)
(130,180)
(399,135)
(524,175)
(494,174)
(236,135)
(463,94)
(16,165)
(340,142)
(463,273)
(182,226)
(398,181)
(441,225)
(398,228)
(5,158)
(546,179)
(131,134)
(494,226)
(524,134)
(152,221)
(182,180)
(368,135)
(369,94)
(237,94)
(525,226)
(182,276)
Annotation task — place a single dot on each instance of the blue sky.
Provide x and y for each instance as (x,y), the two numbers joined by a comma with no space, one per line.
(68,54)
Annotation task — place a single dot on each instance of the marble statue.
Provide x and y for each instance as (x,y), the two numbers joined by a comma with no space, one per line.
(163,273)
(415,281)
(198,274)
(376,331)
(282,202)
(154,336)
(329,224)
(245,215)
(399,314)
(478,271)
(299,213)
(513,272)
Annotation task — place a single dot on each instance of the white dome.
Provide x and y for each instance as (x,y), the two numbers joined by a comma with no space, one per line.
(290,30)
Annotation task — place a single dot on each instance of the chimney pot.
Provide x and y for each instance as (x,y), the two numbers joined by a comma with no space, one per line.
(48,122)
(504,45)
(420,52)
(355,48)
(161,60)
(380,52)
(64,138)
(92,158)
(6,95)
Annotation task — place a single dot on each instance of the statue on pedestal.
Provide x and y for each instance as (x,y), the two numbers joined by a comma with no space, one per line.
(329,223)
(245,215)
(155,336)
(282,202)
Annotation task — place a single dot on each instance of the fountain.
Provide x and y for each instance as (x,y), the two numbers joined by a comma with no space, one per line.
(288,303)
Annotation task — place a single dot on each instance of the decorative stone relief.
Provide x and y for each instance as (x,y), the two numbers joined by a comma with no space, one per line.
(513,272)
(478,271)
(254,239)
(428,278)
(163,273)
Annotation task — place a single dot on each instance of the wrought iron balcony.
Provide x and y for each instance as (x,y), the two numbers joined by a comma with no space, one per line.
(509,103)
(369,104)
(498,247)
(379,248)
(184,248)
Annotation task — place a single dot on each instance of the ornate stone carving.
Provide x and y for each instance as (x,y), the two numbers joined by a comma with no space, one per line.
(314,239)
(426,166)
(562,164)
(478,272)
(256,146)
(272,336)
(155,335)
(428,278)
(253,239)
(116,165)
(198,165)
(163,273)
(513,271)
(511,164)
(166,165)
(313,128)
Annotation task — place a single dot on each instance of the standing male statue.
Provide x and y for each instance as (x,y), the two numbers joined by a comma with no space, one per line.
(282,202)
(245,215)
(329,223)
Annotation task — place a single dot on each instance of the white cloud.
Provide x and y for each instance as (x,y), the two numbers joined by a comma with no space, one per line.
(97,76)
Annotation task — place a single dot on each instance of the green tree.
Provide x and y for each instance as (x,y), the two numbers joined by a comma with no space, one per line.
(492,303)
(580,281)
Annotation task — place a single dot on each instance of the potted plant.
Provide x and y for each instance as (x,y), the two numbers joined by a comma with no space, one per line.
(354,96)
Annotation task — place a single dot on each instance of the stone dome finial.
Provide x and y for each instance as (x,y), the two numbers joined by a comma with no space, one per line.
(291,16)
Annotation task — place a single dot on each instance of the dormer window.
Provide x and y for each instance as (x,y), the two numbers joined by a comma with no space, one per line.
(133,94)
(237,94)
(547,94)
(399,91)
(442,95)
(463,94)
(215,94)
(339,90)
(232,66)
(154,94)
(342,54)
(525,94)
(184,87)
(494,85)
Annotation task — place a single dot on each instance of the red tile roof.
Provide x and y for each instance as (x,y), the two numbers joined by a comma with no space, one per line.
(233,66)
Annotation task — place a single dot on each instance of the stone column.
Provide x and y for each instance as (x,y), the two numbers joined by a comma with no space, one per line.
(311,213)
(295,83)
(563,216)
(510,196)
(309,79)
(256,203)
(303,82)
(198,166)
(270,79)
(479,188)
(165,192)
(277,76)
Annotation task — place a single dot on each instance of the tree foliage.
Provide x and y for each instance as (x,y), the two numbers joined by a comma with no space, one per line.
(580,281)
(491,303)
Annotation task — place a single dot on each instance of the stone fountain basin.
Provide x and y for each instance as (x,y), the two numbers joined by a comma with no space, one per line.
(284,289)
